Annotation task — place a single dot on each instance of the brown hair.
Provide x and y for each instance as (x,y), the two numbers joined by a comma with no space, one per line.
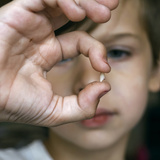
(150,15)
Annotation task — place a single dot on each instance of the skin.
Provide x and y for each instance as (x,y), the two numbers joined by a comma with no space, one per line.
(131,78)
(29,49)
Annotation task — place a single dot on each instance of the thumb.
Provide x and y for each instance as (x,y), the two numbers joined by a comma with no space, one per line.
(76,107)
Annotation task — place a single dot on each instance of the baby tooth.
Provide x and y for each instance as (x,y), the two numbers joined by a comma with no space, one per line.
(102,77)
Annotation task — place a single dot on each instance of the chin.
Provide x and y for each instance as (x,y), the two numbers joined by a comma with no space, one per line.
(95,147)
(95,143)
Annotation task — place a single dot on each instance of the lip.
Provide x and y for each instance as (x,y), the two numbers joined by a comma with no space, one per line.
(101,118)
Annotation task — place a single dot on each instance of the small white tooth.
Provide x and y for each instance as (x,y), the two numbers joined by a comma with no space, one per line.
(102,77)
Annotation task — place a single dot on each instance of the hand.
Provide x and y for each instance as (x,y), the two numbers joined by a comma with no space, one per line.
(29,48)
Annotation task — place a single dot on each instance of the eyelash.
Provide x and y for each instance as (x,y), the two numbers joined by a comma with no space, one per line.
(118,54)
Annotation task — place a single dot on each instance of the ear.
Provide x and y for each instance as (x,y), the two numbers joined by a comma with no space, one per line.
(154,83)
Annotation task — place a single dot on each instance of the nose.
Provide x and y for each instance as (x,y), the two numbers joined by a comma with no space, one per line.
(86,74)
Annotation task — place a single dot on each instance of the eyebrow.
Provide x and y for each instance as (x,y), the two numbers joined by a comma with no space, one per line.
(118,36)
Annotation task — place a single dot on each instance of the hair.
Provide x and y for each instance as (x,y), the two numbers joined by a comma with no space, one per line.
(150,15)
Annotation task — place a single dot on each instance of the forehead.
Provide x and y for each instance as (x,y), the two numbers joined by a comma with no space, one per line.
(125,18)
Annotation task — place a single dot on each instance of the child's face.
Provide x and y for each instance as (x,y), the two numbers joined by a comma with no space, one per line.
(129,55)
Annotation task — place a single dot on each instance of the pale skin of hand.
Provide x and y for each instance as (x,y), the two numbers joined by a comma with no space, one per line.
(29,48)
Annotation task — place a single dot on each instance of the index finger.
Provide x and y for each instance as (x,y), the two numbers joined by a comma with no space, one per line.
(90,47)
(74,43)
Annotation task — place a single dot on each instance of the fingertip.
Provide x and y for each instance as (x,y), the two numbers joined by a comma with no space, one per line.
(102,15)
(72,10)
(94,91)
(98,58)
(102,66)
(114,4)
(111,4)
(108,67)
(96,11)
(90,96)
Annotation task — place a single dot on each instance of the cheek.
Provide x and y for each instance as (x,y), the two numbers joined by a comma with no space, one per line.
(130,86)
(133,95)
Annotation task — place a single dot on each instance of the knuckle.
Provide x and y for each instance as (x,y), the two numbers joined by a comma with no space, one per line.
(82,34)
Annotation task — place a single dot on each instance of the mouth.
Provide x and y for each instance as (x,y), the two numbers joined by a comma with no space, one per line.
(101,118)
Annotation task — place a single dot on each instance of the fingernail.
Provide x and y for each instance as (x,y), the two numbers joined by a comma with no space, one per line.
(108,66)
(102,94)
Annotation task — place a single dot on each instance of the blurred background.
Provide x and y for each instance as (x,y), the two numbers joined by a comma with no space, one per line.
(144,142)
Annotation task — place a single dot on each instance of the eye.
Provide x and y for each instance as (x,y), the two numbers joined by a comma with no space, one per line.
(118,54)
